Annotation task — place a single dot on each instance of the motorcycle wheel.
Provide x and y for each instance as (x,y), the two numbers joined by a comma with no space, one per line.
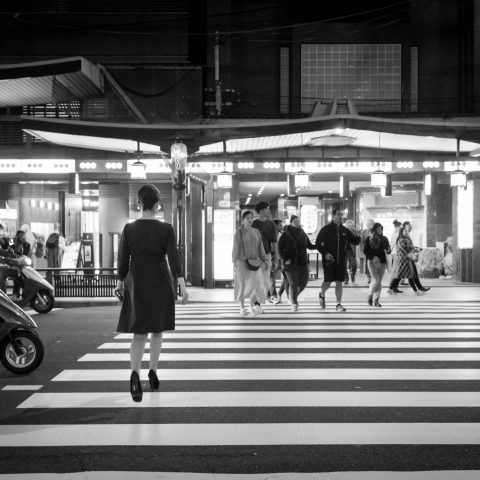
(48,302)
(31,356)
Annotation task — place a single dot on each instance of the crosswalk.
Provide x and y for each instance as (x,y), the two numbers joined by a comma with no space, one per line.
(369,390)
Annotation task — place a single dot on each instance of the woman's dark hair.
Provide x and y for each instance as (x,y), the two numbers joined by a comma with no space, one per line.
(375,239)
(246,213)
(148,196)
(261,206)
(400,233)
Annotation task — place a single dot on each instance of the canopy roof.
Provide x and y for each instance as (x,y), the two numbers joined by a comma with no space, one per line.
(249,135)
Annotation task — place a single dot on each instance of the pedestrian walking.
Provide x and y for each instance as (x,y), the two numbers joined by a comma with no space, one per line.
(272,291)
(403,266)
(351,256)
(363,237)
(268,231)
(331,242)
(145,282)
(376,249)
(249,264)
(292,248)
(408,228)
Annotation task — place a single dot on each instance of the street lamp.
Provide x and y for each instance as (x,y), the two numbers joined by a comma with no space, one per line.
(178,154)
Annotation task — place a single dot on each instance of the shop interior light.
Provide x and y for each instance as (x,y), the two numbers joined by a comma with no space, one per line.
(302,179)
(428,184)
(344,187)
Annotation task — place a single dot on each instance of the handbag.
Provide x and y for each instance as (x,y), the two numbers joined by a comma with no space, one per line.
(252,264)
(413,256)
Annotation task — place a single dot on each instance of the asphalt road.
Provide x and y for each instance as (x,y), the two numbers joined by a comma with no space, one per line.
(214,392)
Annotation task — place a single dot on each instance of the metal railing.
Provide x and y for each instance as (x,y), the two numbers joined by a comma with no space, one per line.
(81,282)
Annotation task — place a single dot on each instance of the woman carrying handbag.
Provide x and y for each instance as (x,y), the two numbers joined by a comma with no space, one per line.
(248,257)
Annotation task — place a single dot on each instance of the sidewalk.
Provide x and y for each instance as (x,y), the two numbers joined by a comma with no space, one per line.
(440,290)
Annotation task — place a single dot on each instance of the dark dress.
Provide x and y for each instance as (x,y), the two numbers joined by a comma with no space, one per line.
(149,300)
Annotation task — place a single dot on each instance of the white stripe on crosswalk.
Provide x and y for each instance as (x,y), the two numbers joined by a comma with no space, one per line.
(304,357)
(252,399)
(169,344)
(297,335)
(178,374)
(300,327)
(241,434)
(302,321)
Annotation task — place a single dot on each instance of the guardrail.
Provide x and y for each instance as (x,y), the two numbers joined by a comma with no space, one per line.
(81,282)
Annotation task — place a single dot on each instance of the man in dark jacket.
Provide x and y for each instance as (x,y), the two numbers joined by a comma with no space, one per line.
(332,243)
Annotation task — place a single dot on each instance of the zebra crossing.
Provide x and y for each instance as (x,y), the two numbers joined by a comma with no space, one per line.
(390,389)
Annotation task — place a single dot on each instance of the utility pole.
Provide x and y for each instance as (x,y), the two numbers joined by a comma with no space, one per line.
(218,85)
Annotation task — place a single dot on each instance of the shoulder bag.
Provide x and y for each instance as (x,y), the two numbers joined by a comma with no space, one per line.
(251,263)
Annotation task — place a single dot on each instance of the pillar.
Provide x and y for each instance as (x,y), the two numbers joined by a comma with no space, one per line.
(196,237)
(209,205)
(113,211)
(439,214)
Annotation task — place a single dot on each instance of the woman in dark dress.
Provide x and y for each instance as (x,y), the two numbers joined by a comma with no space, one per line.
(292,248)
(147,286)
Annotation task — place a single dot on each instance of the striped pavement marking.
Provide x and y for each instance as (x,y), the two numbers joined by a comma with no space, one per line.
(168,344)
(298,335)
(253,399)
(302,357)
(410,327)
(22,387)
(300,327)
(304,321)
(211,434)
(191,374)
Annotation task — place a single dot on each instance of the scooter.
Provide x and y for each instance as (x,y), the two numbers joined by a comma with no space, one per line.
(21,349)
(37,292)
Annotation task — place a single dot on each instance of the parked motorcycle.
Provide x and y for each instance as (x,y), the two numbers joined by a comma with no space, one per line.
(21,349)
(37,292)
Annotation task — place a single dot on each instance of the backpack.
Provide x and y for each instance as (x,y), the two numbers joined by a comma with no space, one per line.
(53,240)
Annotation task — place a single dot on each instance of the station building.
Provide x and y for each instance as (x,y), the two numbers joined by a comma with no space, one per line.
(370,107)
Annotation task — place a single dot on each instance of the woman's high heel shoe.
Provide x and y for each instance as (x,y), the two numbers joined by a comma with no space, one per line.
(136,387)
(153,379)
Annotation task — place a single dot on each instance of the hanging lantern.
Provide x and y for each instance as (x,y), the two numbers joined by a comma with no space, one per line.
(302,180)
(138,170)
(378,179)
(458,178)
(224,180)
(179,156)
